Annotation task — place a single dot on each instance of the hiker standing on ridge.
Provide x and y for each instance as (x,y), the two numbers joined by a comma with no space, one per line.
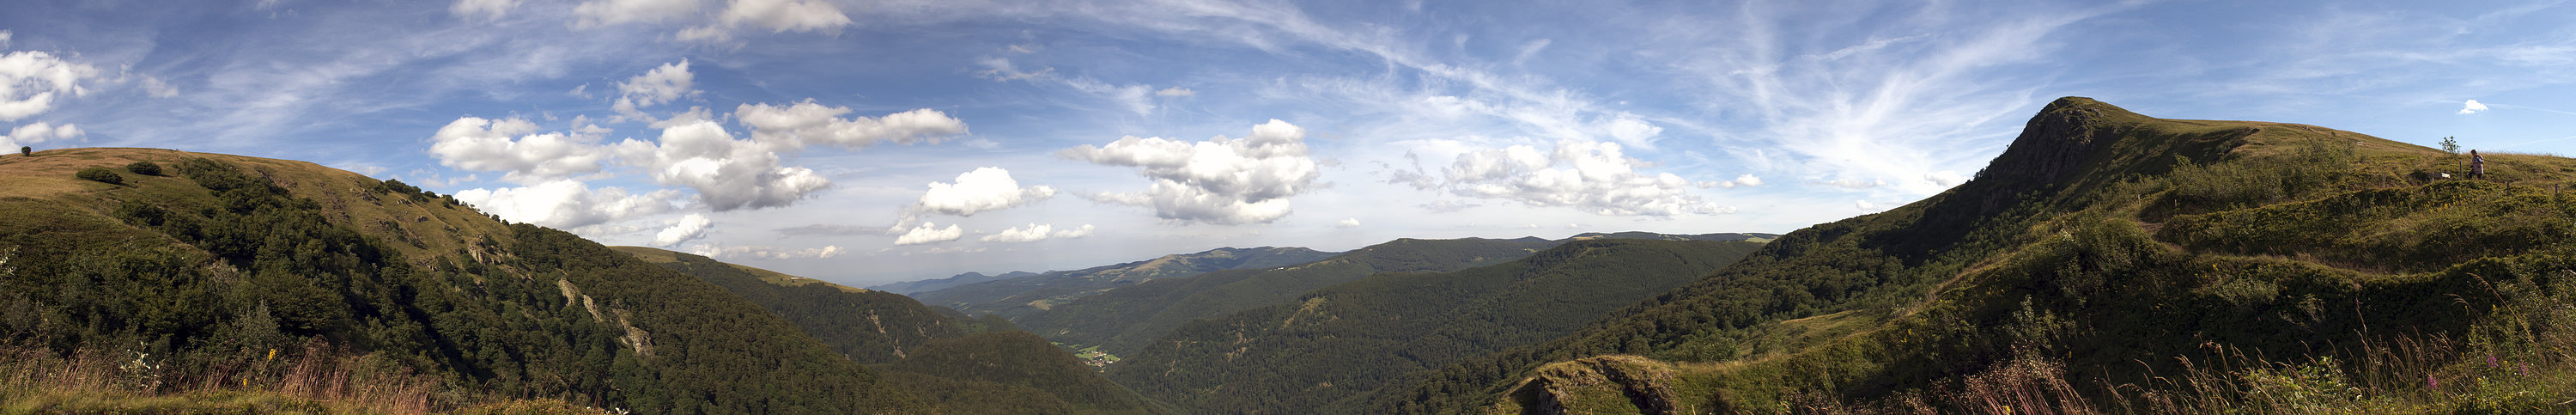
(2477,165)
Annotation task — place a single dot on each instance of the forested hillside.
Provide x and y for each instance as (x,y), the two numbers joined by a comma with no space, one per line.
(1027,294)
(1124,319)
(966,366)
(866,326)
(2109,261)
(135,273)
(1328,351)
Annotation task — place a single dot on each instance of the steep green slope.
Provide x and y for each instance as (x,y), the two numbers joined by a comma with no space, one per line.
(237,272)
(667,258)
(866,326)
(1121,321)
(1325,352)
(1010,372)
(961,365)
(1022,296)
(2109,260)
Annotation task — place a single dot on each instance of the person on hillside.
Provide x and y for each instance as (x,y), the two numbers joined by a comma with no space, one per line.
(2477,165)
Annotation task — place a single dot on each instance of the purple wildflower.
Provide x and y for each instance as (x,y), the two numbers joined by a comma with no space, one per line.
(2526,368)
(2431,383)
(2491,361)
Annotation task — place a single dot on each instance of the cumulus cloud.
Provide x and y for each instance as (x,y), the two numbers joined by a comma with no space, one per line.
(1175,92)
(473,143)
(929,233)
(987,188)
(1037,232)
(765,252)
(1348,223)
(1219,181)
(36,133)
(786,15)
(591,14)
(1587,175)
(30,81)
(688,228)
(488,9)
(1864,205)
(566,204)
(807,123)
(728,173)
(2472,107)
(660,85)
(1032,233)
(1740,181)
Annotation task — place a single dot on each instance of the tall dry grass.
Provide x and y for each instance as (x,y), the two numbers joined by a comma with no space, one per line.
(40,380)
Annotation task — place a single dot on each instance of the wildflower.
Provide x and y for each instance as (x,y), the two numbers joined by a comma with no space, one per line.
(2431,383)
(2491,361)
(2526,368)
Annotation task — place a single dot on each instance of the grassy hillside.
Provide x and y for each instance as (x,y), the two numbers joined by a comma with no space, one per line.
(1015,297)
(1330,350)
(1121,321)
(2110,261)
(226,273)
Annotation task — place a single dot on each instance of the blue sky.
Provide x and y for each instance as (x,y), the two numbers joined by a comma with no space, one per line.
(868,141)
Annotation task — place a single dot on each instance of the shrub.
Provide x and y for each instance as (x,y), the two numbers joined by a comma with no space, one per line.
(25,151)
(101,175)
(144,168)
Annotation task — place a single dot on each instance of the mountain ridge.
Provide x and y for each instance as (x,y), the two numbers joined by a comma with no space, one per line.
(2074,256)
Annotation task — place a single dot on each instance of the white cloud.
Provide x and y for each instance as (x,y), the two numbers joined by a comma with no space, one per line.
(727,173)
(1746,180)
(4,38)
(1945,178)
(830,230)
(1077,232)
(987,188)
(487,9)
(30,81)
(804,123)
(1864,205)
(688,228)
(1591,176)
(1032,233)
(36,133)
(786,15)
(566,204)
(929,233)
(660,85)
(158,88)
(1348,223)
(478,144)
(765,252)
(2472,107)
(608,12)
(1220,181)
(1175,92)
